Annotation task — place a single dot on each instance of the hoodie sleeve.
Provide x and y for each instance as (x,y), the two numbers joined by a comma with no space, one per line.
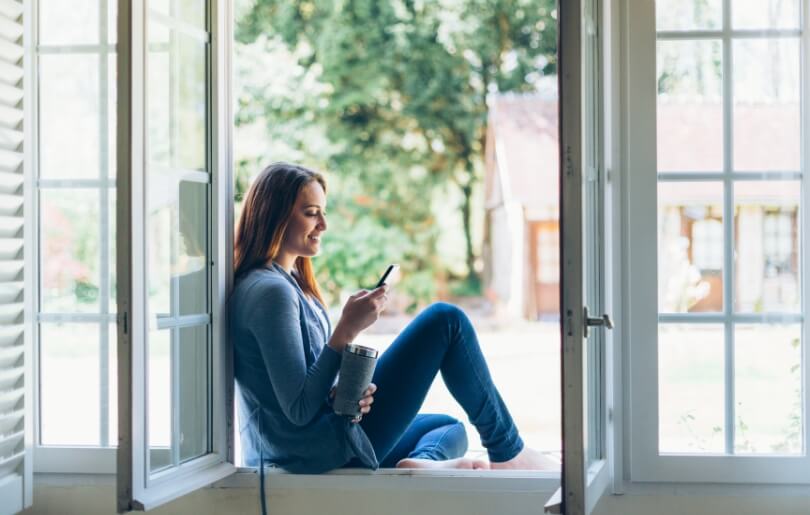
(275,322)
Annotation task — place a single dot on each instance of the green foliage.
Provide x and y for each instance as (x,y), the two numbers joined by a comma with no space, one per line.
(85,292)
(390,98)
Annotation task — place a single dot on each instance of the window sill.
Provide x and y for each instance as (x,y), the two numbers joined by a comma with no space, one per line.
(408,479)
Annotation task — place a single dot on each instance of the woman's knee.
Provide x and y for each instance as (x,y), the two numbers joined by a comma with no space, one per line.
(457,444)
(447,312)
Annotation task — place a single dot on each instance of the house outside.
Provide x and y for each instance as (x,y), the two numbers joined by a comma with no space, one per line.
(521,226)
(521,232)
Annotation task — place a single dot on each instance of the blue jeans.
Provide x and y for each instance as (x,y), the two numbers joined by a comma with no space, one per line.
(440,339)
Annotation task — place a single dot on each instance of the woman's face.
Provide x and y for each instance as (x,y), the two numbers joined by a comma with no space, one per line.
(307,222)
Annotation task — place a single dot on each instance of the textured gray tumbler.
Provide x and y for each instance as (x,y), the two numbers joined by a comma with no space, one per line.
(356,370)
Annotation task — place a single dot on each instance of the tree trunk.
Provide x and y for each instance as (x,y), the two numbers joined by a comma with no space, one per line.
(466,215)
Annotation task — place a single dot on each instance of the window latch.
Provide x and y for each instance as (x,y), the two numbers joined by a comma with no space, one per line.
(604,320)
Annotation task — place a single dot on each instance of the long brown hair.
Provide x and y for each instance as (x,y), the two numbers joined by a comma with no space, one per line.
(268,206)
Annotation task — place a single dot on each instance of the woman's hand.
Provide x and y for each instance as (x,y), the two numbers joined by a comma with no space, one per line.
(365,402)
(361,310)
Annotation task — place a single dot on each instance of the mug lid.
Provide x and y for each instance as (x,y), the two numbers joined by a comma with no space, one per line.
(361,350)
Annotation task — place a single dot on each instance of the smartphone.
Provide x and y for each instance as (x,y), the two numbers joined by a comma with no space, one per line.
(388,276)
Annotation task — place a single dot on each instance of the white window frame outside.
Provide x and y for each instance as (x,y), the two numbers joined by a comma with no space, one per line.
(71,459)
(640,98)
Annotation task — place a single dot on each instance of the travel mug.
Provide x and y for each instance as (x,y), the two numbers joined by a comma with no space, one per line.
(356,370)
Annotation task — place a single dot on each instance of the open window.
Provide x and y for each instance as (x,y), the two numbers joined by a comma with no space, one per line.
(173,247)
(584,321)
(718,384)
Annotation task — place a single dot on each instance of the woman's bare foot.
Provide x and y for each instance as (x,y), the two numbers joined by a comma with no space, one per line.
(458,463)
(527,459)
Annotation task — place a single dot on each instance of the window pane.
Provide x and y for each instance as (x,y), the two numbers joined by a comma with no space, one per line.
(767,246)
(179,381)
(69,384)
(765,14)
(112,381)
(112,21)
(177,246)
(690,246)
(688,15)
(768,389)
(159,400)
(69,129)
(70,256)
(193,384)
(690,116)
(68,23)
(191,270)
(691,388)
(767,128)
(112,301)
(177,100)
(188,11)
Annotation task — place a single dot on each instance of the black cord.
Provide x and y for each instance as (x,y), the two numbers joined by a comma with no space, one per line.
(262,498)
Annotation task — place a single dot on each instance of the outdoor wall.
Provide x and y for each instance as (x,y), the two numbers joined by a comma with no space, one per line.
(99,499)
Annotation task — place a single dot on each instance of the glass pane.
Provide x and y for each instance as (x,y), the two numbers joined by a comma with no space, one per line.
(69,262)
(112,303)
(112,378)
(193,383)
(68,23)
(69,115)
(768,389)
(160,238)
(766,245)
(690,110)
(179,381)
(159,400)
(765,14)
(690,246)
(191,270)
(177,249)
(691,388)
(112,21)
(688,15)
(69,384)
(188,11)
(767,128)
(111,172)
(177,100)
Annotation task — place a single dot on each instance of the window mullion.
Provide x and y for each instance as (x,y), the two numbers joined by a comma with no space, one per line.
(804,212)
(728,226)
(104,236)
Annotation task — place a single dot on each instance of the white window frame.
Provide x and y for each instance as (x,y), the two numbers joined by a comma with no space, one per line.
(137,487)
(59,458)
(639,98)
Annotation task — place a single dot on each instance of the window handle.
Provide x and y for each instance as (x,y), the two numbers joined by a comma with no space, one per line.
(604,320)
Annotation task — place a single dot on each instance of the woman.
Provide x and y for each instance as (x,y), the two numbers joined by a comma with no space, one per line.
(287,355)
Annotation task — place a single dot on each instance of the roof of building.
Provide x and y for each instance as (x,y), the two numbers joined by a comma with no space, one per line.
(522,139)
(523,155)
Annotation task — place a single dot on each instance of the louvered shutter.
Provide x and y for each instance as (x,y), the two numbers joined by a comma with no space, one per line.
(15,469)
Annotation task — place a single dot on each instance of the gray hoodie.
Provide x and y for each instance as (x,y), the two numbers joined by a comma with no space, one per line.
(284,371)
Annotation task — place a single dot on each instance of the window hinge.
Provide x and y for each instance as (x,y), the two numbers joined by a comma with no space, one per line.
(124,322)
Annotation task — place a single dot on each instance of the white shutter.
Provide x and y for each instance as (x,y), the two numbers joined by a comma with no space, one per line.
(15,399)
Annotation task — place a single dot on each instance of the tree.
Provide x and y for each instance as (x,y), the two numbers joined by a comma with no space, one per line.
(402,92)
